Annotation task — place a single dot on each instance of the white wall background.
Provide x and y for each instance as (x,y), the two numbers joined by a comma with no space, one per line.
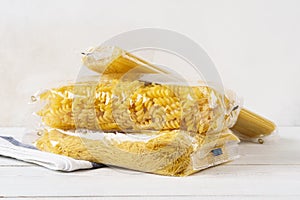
(255,45)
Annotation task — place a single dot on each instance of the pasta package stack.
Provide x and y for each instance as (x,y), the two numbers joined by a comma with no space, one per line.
(123,118)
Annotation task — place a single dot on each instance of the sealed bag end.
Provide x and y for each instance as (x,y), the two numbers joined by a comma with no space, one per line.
(114,60)
(253,127)
(259,139)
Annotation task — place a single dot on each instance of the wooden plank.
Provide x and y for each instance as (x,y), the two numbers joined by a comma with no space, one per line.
(281,150)
(223,180)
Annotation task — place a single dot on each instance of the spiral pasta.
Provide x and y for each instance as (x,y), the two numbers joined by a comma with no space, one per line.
(133,105)
(121,120)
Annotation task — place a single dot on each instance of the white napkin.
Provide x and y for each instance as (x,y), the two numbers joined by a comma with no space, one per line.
(9,147)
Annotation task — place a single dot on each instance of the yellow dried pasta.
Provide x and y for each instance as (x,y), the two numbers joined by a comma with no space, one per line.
(115,105)
(115,62)
(172,153)
(146,126)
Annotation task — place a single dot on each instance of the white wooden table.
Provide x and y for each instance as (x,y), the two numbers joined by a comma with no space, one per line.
(268,171)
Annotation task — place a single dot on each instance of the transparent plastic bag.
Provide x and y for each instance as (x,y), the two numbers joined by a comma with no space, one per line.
(254,128)
(117,105)
(173,153)
(105,60)
(137,116)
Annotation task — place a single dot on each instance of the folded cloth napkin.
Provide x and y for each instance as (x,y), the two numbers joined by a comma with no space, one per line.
(9,147)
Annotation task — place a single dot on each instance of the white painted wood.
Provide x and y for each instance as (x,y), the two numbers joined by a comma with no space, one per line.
(268,171)
(279,150)
(222,180)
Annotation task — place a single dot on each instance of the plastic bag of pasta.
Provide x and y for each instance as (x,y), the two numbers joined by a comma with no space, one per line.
(172,152)
(121,105)
(115,62)
(137,116)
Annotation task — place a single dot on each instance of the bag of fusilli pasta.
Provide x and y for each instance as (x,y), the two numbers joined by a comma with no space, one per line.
(125,117)
(118,105)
